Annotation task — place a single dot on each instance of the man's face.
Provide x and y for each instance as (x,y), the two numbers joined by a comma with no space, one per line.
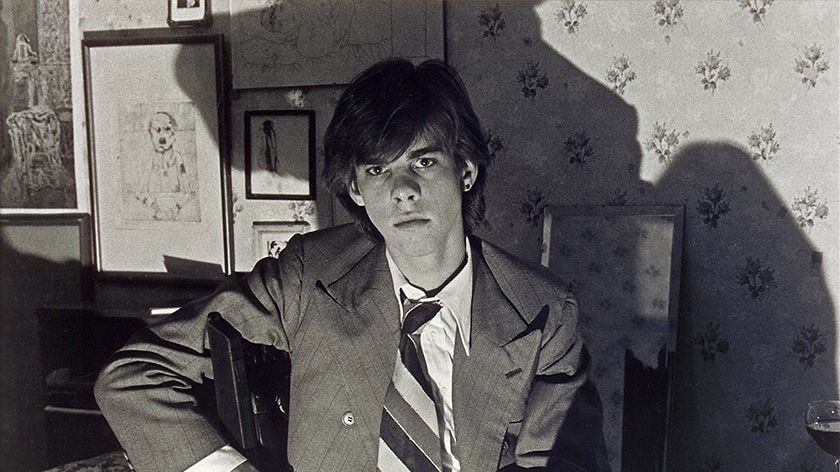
(415,200)
(162,132)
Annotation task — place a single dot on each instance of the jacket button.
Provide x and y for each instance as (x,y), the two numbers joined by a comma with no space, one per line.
(348,418)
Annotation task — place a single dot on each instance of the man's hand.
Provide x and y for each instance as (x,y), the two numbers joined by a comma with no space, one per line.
(246,467)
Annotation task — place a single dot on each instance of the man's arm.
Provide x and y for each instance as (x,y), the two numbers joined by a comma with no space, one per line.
(148,391)
(562,428)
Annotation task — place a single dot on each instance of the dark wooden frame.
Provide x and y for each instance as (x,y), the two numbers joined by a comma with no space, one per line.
(249,193)
(93,39)
(205,20)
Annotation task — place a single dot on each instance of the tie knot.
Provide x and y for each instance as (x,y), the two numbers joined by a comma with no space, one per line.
(418,313)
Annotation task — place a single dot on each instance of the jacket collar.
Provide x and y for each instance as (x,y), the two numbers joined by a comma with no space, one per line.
(361,271)
(509,274)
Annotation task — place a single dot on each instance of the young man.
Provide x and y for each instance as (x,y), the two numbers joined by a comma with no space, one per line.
(414,346)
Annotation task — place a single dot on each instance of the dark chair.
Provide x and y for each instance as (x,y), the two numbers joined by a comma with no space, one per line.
(251,384)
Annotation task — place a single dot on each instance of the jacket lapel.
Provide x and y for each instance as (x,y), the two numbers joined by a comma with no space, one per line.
(362,285)
(487,384)
(370,319)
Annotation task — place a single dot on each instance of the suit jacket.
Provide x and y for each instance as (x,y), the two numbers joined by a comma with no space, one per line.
(521,398)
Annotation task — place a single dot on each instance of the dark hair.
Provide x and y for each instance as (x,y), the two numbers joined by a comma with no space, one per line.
(384,110)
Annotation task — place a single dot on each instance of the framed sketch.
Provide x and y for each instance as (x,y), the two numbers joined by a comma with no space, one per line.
(280,154)
(189,13)
(623,264)
(271,237)
(284,44)
(159,174)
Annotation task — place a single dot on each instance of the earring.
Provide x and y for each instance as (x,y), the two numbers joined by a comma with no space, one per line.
(466,187)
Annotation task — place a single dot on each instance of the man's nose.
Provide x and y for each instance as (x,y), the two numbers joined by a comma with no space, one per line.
(404,188)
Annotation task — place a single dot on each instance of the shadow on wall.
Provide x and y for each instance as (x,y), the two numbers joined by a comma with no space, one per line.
(46,356)
(754,305)
(27,283)
(283,171)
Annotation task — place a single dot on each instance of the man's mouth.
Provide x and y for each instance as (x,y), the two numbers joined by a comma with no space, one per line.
(410,223)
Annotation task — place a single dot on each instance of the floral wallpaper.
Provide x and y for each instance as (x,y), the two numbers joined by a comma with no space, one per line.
(728,107)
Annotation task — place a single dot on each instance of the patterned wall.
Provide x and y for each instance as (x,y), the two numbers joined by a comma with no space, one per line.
(727,107)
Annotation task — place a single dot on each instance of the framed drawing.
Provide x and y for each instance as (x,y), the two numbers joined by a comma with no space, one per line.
(623,264)
(271,237)
(280,154)
(159,173)
(189,13)
(284,44)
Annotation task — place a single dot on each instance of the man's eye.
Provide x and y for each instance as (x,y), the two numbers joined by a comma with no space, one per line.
(374,170)
(424,162)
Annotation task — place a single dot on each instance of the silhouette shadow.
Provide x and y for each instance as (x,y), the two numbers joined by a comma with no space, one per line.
(737,335)
(233,145)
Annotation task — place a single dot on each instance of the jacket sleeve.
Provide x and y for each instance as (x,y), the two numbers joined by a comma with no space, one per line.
(562,428)
(149,390)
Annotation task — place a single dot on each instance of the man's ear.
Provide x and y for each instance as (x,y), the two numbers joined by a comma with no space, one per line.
(355,195)
(469,175)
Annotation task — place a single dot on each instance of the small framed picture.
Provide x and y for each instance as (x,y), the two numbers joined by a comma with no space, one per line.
(280,154)
(271,237)
(189,13)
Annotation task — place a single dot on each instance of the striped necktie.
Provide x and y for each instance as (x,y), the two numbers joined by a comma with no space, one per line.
(409,436)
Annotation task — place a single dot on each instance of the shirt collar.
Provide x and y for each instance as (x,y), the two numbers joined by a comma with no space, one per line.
(456,295)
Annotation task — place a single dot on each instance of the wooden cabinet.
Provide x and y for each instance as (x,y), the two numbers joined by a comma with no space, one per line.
(75,343)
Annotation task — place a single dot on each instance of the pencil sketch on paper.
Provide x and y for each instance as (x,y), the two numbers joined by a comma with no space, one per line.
(301,42)
(158,173)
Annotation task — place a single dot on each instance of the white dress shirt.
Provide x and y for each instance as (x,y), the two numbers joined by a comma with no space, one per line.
(437,343)
(224,459)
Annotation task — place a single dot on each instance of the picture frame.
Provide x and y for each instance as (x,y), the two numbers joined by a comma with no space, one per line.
(40,172)
(280,155)
(159,168)
(65,237)
(184,13)
(271,237)
(623,264)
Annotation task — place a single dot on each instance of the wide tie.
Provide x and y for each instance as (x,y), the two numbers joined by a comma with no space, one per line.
(409,437)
